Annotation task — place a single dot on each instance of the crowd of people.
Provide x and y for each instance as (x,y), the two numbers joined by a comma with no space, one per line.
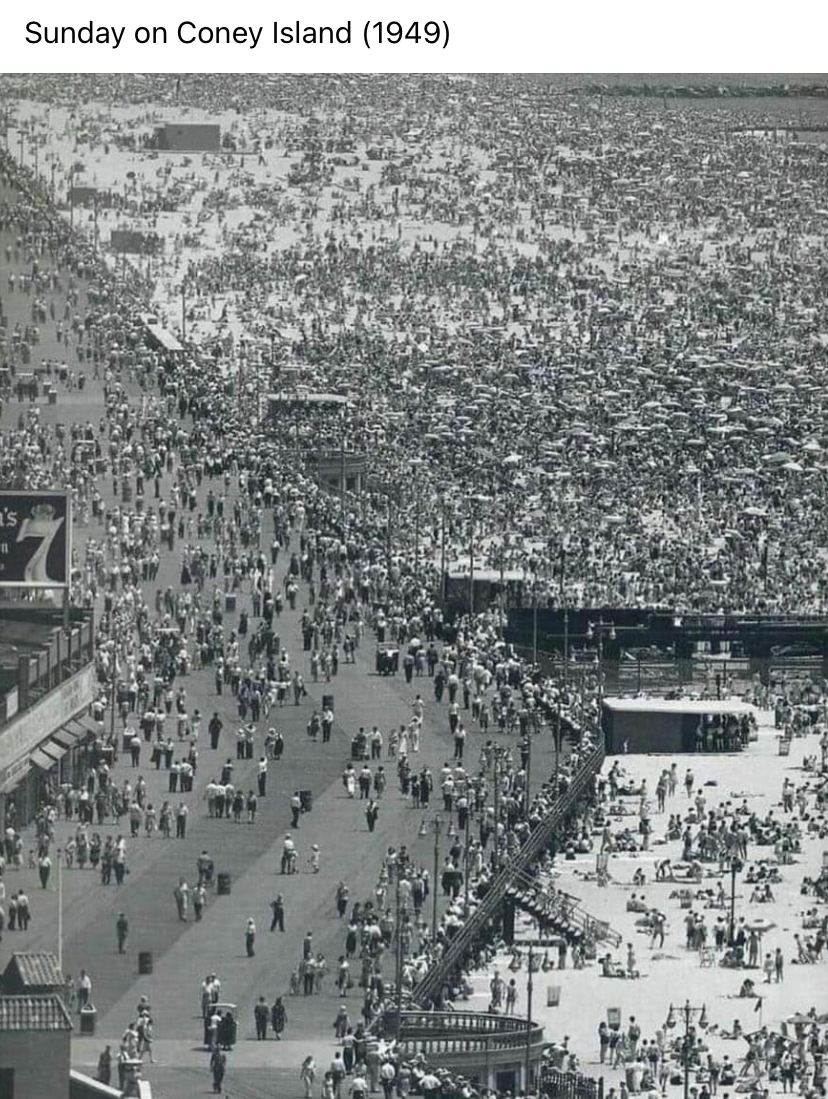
(494,300)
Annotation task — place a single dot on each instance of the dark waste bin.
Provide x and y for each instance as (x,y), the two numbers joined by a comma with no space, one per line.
(230,602)
(145,961)
(52,396)
(327,702)
(223,884)
(306,798)
(88,1015)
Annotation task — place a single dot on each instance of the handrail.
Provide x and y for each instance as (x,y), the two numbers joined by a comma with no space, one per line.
(564,909)
(455,950)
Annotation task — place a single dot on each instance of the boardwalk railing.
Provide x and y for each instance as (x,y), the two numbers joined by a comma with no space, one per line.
(439,1033)
(430,987)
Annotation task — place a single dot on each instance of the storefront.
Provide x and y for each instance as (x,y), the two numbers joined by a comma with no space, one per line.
(47,746)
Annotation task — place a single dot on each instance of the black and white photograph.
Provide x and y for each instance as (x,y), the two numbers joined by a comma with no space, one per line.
(413,580)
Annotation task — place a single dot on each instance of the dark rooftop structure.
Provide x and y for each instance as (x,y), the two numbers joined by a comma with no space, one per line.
(31,972)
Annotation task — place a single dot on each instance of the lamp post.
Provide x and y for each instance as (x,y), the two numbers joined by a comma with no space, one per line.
(436,824)
(534,563)
(600,630)
(402,865)
(564,550)
(498,757)
(471,567)
(735,866)
(527,1068)
(687,1012)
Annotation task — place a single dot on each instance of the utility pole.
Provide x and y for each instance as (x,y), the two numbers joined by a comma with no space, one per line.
(530,732)
(436,824)
(342,465)
(564,547)
(443,577)
(527,1068)
(471,570)
(535,614)
(399,957)
(60,910)
(496,852)
(735,867)
(416,531)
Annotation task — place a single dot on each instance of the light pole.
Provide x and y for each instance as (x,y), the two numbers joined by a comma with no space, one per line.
(60,909)
(498,758)
(466,859)
(402,865)
(600,630)
(687,1012)
(471,567)
(735,866)
(534,566)
(564,550)
(436,824)
(527,1068)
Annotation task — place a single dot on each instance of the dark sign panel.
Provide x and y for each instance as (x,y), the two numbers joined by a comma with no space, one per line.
(35,539)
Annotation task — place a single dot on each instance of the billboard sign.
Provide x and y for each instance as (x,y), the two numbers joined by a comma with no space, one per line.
(35,539)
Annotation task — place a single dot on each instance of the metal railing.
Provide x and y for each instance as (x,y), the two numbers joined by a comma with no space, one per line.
(430,987)
(561,910)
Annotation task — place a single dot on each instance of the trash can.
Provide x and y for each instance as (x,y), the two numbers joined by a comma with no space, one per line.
(327,702)
(52,396)
(223,884)
(126,491)
(230,603)
(88,1015)
(306,798)
(126,739)
(145,961)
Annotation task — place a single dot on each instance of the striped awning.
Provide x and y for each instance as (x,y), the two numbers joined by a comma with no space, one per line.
(40,759)
(72,733)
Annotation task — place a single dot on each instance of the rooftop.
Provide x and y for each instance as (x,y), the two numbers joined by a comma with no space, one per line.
(678,705)
(33,1013)
(32,970)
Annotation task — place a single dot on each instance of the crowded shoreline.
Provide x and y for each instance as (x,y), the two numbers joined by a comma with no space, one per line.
(495,376)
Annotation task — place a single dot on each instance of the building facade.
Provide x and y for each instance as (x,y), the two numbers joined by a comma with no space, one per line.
(47,681)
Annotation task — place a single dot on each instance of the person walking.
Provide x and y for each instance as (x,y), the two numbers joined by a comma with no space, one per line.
(260,1016)
(307,1075)
(199,901)
(218,1066)
(278,1018)
(277,907)
(44,867)
(105,1066)
(250,937)
(121,932)
(182,899)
